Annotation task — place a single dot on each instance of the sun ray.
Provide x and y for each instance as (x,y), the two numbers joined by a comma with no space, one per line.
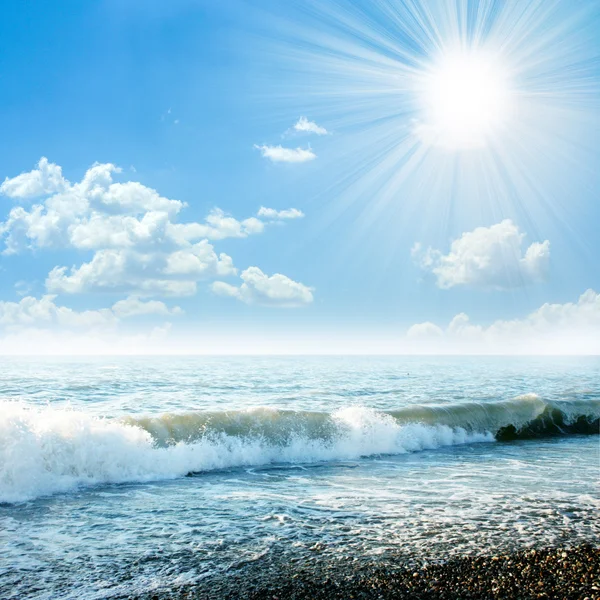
(446,115)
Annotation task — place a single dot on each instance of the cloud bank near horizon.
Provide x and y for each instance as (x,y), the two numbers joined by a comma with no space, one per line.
(550,325)
(42,326)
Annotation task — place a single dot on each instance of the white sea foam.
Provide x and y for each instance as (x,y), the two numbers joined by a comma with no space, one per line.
(48,450)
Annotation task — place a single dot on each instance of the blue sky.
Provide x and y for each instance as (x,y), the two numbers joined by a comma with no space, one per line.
(419,163)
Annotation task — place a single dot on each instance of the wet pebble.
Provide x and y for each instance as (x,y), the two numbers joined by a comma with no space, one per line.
(549,573)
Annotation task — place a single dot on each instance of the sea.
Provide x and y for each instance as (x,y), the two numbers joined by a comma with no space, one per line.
(136,475)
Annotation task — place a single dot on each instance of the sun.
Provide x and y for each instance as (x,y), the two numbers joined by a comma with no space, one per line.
(465,99)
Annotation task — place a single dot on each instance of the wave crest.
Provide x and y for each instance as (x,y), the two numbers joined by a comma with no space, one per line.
(48,450)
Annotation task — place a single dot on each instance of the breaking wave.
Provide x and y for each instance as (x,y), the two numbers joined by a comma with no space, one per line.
(48,450)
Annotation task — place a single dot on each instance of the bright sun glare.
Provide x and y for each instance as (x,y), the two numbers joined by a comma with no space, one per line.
(466,100)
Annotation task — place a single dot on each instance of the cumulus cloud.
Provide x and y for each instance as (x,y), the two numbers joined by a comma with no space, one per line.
(97,213)
(258,288)
(139,245)
(134,306)
(487,257)
(569,327)
(40,325)
(305,126)
(199,260)
(425,330)
(43,312)
(290,155)
(217,226)
(131,197)
(46,179)
(271,213)
(146,274)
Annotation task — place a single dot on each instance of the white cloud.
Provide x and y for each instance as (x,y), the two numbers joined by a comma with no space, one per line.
(217,226)
(488,257)
(94,213)
(46,179)
(271,213)
(99,214)
(199,260)
(290,155)
(305,126)
(139,245)
(31,312)
(121,270)
(258,288)
(425,330)
(133,306)
(34,323)
(120,231)
(132,197)
(569,327)
(583,315)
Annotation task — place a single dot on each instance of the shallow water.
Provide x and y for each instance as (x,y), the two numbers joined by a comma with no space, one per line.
(379,455)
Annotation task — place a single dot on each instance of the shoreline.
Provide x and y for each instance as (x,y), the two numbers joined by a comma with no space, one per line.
(550,573)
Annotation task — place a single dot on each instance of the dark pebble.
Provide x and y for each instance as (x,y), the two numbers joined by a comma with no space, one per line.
(566,573)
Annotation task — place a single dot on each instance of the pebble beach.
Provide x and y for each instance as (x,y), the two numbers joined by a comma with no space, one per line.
(565,573)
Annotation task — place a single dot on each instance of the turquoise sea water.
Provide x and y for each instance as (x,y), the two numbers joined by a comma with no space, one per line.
(119,476)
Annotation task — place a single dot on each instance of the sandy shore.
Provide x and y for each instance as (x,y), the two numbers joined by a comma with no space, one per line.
(564,573)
